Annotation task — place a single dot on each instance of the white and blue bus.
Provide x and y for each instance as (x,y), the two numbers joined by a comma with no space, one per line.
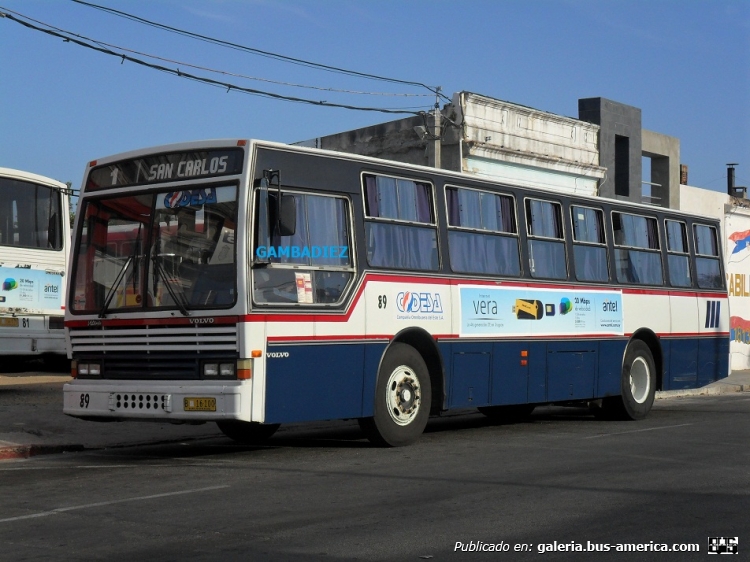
(254,284)
(34,248)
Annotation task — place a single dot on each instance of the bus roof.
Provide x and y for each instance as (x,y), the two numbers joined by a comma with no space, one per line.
(28,176)
(379,162)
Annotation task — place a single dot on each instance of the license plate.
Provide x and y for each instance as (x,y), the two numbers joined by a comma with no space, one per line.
(9,322)
(200,404)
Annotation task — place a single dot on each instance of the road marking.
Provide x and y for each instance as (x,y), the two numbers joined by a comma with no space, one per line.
(113,502)
(637,430)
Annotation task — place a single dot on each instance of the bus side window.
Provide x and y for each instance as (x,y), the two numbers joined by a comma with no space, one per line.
(707,262)
(482,235)
(400,227)
(313,264)
(637,255)
(678,254)
(546,240)
(589,244)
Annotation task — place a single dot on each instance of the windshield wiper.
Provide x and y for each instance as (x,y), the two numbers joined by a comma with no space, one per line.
(113,287)
(182,301)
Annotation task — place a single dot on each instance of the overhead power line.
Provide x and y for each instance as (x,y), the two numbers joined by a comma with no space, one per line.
(82,41)
(260,52)
(222,72)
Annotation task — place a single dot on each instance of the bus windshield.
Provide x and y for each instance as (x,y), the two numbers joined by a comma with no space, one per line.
(30,215)
(163,250)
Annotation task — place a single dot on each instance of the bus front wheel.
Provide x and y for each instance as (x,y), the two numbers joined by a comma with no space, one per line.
(637,384)
(248,433)
(402,398)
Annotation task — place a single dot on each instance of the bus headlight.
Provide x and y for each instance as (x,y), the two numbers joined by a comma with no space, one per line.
(226,369)
(210,369)
(89,369)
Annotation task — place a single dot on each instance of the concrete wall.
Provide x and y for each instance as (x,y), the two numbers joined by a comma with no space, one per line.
(664,152)
(735,225)
(619,145)
(394,140)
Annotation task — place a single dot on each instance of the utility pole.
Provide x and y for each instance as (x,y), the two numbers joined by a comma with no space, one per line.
(436,133)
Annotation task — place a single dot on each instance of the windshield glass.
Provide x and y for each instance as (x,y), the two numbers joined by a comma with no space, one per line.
(30,215)
(172,250)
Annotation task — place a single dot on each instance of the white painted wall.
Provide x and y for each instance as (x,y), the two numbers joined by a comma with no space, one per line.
(519,145)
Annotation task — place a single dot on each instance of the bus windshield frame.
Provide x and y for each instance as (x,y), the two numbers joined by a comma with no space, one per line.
(157,250)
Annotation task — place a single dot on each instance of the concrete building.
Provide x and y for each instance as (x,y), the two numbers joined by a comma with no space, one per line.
(490,138)
(600,153)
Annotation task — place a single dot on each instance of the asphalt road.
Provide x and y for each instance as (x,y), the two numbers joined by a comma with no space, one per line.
(322,492)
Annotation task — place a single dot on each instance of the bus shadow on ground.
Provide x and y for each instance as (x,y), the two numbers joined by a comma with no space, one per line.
(340,434)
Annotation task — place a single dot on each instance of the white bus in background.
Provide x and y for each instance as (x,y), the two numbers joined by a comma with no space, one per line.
(34,247)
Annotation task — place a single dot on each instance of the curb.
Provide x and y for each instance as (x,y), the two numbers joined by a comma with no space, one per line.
(711,390)
(26,451)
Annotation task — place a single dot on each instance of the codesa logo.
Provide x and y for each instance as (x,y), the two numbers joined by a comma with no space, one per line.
(413,302)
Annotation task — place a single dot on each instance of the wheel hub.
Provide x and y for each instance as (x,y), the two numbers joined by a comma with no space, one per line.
(403,398)
(640,377)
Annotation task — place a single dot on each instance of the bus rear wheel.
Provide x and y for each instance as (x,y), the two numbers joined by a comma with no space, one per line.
(402,398)
(247,433)
(637,385)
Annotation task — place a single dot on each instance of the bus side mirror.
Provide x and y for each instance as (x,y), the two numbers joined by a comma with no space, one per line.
(287,215)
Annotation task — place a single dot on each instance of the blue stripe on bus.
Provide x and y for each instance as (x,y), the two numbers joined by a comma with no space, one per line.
(334,381)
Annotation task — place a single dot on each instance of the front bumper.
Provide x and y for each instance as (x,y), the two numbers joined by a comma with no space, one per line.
(155,400)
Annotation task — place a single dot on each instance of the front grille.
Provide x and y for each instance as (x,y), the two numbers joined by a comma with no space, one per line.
(147,339)
(154,352)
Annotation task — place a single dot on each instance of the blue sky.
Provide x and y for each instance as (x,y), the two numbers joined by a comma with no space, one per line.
(685,63)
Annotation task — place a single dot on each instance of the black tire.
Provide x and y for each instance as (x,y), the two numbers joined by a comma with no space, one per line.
(402,398)
(247,433)
(637,385)
(507,414)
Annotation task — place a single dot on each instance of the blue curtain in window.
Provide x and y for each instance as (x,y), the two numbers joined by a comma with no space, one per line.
(472,252)
(545,219)
(371,192)
(591,263)
(400,246)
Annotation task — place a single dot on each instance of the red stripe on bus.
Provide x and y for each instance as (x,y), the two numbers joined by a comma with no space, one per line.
(335,338)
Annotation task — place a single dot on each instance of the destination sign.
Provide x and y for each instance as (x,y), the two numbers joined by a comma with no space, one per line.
(172,166)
